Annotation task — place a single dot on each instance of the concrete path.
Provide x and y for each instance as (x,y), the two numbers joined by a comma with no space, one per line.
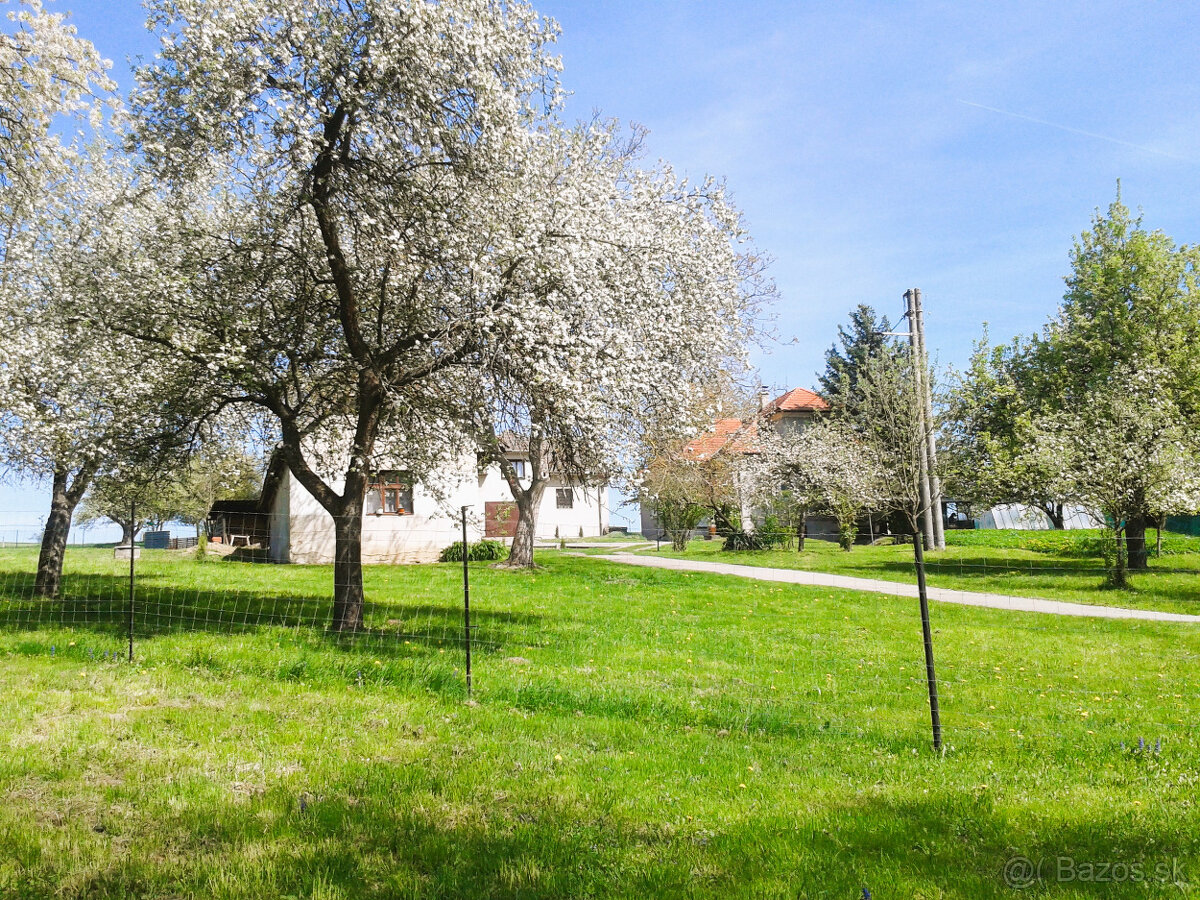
(898,589)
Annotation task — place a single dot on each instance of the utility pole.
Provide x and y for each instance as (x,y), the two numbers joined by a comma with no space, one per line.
(911,306)
(935,484)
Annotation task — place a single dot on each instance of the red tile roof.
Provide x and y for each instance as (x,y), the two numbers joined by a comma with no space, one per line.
(731,434)
(797,399)
(737,436)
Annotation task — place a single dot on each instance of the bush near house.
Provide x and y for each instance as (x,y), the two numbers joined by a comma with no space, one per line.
(480,551)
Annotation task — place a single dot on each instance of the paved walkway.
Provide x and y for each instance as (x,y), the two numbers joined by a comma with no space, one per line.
(898,589)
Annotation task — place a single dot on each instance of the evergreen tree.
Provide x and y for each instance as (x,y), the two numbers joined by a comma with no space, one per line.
(864,339)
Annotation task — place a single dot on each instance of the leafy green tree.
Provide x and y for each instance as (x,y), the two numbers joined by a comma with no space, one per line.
(988,433)
(1129,313)
(184,494)
(1130,309)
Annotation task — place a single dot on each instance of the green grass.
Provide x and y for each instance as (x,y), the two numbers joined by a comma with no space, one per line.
(614,537)
(1024,564)
(634,733)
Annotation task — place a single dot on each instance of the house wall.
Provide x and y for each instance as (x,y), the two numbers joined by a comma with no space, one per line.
(589,512)
(302,532)
(420,537)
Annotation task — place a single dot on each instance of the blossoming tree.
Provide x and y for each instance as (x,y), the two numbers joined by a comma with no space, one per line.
(51,81)
(1127,451)
(75,400)
(639,283)
(825,467)
(395,211)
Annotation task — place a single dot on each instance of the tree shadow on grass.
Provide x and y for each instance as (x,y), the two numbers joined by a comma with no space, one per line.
(101,603)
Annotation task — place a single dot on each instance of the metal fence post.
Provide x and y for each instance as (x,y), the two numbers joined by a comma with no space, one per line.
(132,573)
(466,598)
(927,638)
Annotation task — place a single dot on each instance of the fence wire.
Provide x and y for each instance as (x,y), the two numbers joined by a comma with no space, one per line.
(589,637)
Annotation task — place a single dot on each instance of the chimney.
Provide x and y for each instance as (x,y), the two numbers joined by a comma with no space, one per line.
(764,397)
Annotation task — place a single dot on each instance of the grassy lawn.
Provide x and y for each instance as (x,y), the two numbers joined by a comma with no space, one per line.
(633,733)
(1027,564)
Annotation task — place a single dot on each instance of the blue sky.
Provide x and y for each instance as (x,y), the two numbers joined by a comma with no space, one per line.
(955,147)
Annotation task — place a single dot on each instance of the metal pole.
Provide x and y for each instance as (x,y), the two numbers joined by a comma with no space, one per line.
(132,532)
(935,484)
(466,599)
(927,635)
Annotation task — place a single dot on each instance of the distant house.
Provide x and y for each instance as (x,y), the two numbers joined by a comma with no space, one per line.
(406,520)
(247,522)
(789,413)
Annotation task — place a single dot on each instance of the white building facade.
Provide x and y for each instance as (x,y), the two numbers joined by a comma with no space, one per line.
(405,521)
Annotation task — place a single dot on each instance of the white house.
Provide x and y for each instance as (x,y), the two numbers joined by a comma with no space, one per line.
(406,521)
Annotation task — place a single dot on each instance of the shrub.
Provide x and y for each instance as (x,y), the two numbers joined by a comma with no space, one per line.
(771,534)
(453,553)
(847,532)
(480,551)
(489,550)
(743,540)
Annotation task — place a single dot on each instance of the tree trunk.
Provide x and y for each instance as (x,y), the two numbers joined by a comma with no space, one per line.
(345,508)
(802,530)
(1117,577)
(63,500)
(348,598)
(1056,514)
(528,502)
(1135,543)
(129,531)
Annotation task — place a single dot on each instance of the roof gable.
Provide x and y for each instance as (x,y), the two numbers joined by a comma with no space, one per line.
(797,399)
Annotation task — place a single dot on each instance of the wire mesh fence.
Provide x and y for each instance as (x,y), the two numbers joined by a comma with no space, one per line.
(114,598)
(690,649)
(1030,642)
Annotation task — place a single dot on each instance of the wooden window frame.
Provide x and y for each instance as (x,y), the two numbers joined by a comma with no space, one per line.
(560,493)
(398,485)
